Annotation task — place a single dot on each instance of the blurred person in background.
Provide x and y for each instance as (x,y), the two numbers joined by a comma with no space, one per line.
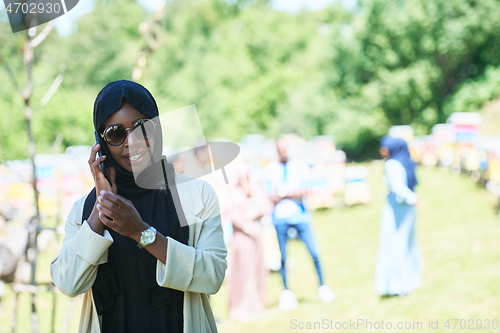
(247,272)
(398,260)
(179,162)
(285,184)
(198,162)
(124,246)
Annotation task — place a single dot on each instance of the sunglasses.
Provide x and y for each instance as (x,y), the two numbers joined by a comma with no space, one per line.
(115,135)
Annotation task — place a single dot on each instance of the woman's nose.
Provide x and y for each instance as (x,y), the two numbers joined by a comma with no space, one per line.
(136,137)
(131,138)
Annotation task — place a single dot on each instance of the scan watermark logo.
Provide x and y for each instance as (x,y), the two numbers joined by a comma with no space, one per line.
(28,14)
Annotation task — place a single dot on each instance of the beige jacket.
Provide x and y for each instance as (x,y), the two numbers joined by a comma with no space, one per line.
(197,269)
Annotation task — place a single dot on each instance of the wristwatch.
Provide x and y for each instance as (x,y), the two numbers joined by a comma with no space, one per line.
(148,236)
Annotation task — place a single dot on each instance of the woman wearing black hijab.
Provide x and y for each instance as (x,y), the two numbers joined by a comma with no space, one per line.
(125,245)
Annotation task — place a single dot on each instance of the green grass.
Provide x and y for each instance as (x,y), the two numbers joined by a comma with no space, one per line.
(459,238)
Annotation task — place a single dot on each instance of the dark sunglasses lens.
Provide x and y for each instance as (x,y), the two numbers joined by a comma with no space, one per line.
(115,135)
(144,129)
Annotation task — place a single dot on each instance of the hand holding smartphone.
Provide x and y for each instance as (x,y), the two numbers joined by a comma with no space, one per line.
(102,165)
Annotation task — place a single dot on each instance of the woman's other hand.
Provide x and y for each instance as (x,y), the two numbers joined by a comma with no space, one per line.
(119,214)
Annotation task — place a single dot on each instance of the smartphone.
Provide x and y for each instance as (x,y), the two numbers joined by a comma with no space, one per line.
(102,165)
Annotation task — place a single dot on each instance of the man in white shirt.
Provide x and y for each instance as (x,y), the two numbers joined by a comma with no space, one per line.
(286,187)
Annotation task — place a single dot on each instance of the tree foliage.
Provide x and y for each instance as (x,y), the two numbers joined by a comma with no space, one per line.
(250,69)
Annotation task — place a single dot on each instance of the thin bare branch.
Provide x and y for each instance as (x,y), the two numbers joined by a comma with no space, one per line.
(11,75)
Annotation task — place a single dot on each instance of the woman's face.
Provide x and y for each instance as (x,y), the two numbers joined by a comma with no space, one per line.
(132,154)
(384,152)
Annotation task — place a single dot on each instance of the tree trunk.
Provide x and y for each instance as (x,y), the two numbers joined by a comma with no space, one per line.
(33,228)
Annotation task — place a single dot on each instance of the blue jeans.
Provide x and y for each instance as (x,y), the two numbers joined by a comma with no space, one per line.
(304,233)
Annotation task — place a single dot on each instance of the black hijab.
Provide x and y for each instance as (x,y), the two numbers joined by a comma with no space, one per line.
(109,100)
(153,200)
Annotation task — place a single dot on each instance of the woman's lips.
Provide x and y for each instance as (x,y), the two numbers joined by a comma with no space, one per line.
(135,157)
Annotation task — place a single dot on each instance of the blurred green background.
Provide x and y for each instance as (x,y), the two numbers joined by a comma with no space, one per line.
(349,72)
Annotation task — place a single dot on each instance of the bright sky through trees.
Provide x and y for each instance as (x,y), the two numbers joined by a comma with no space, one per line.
(65,24)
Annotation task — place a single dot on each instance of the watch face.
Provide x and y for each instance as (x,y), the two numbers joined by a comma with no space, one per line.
(149,237)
